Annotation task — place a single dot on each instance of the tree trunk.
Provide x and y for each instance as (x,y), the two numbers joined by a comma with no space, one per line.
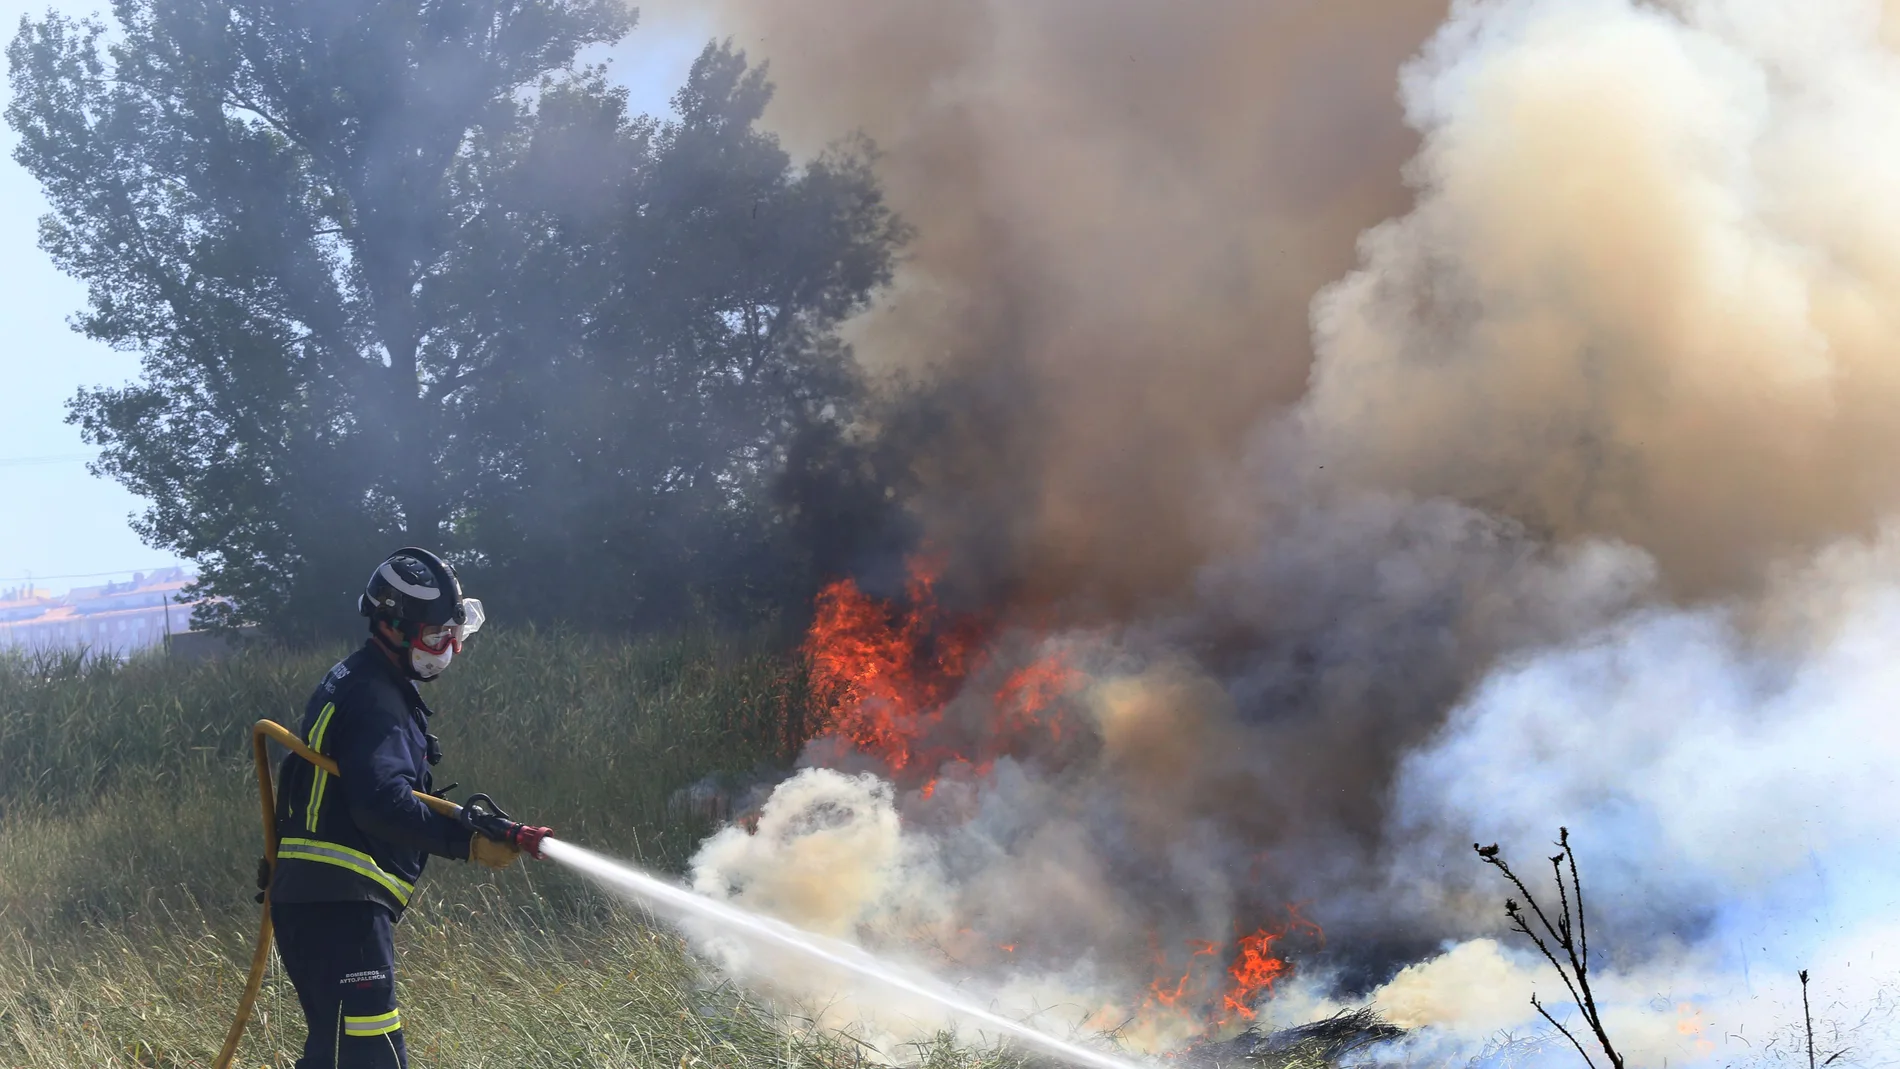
(414,475)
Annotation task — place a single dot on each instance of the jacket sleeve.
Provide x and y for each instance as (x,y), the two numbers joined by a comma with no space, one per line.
(377,782)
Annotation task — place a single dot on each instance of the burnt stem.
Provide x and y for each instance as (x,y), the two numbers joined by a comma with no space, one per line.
(1569,935)
(1580,963)
(1583,932)
(1807,1017)
(1513,911)
(1558,1025)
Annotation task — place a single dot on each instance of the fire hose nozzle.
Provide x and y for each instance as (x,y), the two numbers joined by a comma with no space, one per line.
(529,840)
(482,816)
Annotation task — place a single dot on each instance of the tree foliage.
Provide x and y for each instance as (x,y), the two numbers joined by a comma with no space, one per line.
(407,271)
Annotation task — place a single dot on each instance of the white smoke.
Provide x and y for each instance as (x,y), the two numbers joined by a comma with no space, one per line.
(825,854)
(1730,787)
(1649,291)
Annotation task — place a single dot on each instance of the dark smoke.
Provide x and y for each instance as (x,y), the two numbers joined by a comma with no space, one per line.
(1123,210)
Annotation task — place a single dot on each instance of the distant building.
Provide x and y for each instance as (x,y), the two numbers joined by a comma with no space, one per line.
(117,618)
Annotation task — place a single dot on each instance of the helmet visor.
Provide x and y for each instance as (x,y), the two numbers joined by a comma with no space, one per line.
(469,619)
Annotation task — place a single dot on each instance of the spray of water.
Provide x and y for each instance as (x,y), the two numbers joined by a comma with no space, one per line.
(674,900)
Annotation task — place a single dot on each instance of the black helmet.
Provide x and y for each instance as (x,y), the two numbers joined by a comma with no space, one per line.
(413,588)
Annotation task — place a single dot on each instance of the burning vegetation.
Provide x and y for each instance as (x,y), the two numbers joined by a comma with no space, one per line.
(1374,506)
(886,672)
(1382,506)
(1221,983)
(924,692)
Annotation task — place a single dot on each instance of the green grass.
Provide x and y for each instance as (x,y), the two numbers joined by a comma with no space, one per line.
(129,833)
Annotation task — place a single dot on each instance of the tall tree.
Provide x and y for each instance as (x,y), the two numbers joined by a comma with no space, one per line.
(400,270)
(643,431)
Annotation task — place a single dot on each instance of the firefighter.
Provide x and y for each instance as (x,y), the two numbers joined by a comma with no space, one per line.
(351,847)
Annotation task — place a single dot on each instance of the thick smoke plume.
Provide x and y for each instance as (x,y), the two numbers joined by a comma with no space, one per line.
(1649,289)
(1122,211)
(1377,488)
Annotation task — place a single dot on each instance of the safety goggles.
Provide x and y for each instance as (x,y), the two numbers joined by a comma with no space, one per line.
(450,637)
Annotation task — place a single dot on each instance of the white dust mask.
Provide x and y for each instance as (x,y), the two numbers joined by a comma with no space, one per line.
(429,665)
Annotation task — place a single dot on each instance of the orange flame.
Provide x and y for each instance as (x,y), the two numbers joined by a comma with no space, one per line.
(1026,697)
(1170,996)
(1254,970)
(885,672)
(1222,995)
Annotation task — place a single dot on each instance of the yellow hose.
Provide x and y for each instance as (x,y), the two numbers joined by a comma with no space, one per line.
(263,732)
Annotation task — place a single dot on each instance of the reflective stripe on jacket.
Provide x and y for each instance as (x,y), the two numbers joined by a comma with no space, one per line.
(361,835)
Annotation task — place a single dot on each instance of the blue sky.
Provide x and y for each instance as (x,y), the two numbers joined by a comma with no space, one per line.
(58,522)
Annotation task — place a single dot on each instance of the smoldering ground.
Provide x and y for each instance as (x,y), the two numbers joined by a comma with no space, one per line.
(1564,504)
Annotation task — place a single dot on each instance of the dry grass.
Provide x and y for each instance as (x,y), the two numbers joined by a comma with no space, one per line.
(128,824)
(475,993)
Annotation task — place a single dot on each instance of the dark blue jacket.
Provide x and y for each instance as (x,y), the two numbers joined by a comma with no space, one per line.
(361,835)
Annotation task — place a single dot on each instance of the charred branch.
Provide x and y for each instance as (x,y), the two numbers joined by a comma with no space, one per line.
(1564,942)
